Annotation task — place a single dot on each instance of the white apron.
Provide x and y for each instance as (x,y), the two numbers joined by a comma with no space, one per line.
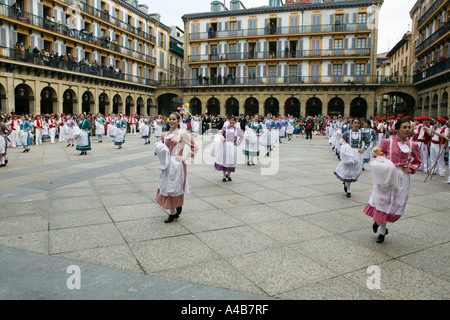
(171,179)
(392,199)
(350,167)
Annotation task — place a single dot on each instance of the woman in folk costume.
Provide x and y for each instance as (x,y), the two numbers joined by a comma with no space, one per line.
(282,124)
(290,127)
(121,130)
(251,138)
(158,125)
(373,141)
(5,131)
(226,158)
(60,121)
(355,143)
(83,141)
(68,130)
(145,129)
(388,202)
(24,135)
(173,182)
(270,134)
(100,123)
(196,124)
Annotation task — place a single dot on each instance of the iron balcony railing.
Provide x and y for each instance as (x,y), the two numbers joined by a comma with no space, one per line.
(434,37)
(290,30)
(68,63)
(176,49)
(432,71)
(431,10)
(105,16)
(281,55)
(62,29)
(287,80)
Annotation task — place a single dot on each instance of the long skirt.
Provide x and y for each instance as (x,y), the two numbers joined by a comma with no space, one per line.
(390,203)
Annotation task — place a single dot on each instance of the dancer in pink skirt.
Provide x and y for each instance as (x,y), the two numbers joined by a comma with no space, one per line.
(388,203)
(172,170)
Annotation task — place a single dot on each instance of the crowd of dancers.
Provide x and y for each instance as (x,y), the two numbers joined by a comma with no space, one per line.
(395,148)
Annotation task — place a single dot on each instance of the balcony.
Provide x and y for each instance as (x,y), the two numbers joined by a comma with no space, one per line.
(276,31)
(66,63)
(429,12)
(105,16)
(218,81)
(61,29)
(439,68)
(434,37)
(280,55)
(175,48)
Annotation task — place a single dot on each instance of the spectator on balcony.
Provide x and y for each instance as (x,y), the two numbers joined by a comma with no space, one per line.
(48,21)
(22,51)
(36,53)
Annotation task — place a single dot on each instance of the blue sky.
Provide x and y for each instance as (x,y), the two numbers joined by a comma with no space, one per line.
(394,16)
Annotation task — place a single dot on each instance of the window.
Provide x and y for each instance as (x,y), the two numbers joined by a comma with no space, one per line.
(338,46)
(360,72)
(362,21)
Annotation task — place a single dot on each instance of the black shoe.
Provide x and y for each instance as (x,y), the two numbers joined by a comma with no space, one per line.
(375,227)
(68,145)
(229,179)
(348,195)
(171,218)
(2,165)
(6,162)
(380,238)
(81,153)
(248,163)
(24,151)
(179,209)
(224,180)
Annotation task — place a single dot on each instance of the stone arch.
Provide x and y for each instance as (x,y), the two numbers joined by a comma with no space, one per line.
(129,104)
(444,105)
(168,102)
(272,106)
(195,105)
(24,96)
(213,106)
(69,101)
(117,103)
(358,108)
(292,107)
(232,107)
(251,106)
(434,106)
(103,102)
(140,106)
(87,102)
(48,100)
(3,107)
(336,106)
(313,106)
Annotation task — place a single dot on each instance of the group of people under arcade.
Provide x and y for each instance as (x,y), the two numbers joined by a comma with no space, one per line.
(395,148)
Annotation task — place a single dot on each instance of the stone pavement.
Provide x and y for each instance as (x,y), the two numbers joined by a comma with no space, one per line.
(280,230)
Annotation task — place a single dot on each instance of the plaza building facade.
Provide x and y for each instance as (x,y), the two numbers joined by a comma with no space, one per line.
(80,56)
(430,56)
(297,57)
